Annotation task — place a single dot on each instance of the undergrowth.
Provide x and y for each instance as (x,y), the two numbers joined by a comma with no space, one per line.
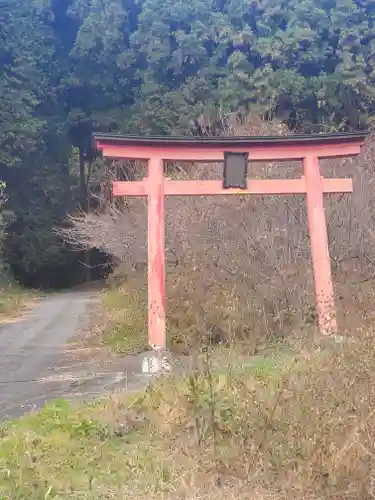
(125,322)
(289,425)
(12,299)
(219,320)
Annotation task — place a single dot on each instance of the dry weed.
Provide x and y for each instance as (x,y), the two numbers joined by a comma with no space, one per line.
(286,426)
(294,428)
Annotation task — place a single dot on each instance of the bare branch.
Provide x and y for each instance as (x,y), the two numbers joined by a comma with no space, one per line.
(263,240)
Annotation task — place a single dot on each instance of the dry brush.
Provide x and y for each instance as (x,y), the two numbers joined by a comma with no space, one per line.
(239,267)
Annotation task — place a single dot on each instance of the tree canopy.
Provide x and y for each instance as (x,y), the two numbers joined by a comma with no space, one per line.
(71,67)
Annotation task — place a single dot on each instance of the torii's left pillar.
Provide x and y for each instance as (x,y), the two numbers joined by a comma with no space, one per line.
(156,252)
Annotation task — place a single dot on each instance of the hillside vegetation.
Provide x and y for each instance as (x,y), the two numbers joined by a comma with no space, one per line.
(71,67)
(268,411)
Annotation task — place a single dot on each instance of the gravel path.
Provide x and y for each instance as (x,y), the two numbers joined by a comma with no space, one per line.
(36,366)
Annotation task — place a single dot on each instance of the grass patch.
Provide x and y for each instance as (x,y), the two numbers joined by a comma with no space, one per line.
(190,322)
(125,330)
(280,427)
(13,298)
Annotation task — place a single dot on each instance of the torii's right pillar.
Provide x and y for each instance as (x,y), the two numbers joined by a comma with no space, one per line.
(321,262)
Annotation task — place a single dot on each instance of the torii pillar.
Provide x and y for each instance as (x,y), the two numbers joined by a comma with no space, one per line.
(309,149)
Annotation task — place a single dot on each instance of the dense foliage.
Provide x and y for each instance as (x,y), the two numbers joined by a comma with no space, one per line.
(69,67)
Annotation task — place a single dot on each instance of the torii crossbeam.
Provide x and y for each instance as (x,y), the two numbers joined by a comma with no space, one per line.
(308,149)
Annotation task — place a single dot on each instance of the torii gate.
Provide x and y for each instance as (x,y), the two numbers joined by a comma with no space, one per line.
(235,152)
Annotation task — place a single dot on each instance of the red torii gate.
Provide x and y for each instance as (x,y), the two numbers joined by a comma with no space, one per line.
(308,149)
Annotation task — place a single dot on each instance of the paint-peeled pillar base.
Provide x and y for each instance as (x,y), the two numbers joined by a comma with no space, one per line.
(326,308)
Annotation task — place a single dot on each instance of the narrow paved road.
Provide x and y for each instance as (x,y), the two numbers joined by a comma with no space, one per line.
(34,363)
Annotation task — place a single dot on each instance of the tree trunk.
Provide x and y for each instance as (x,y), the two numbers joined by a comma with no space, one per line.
(84,207)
